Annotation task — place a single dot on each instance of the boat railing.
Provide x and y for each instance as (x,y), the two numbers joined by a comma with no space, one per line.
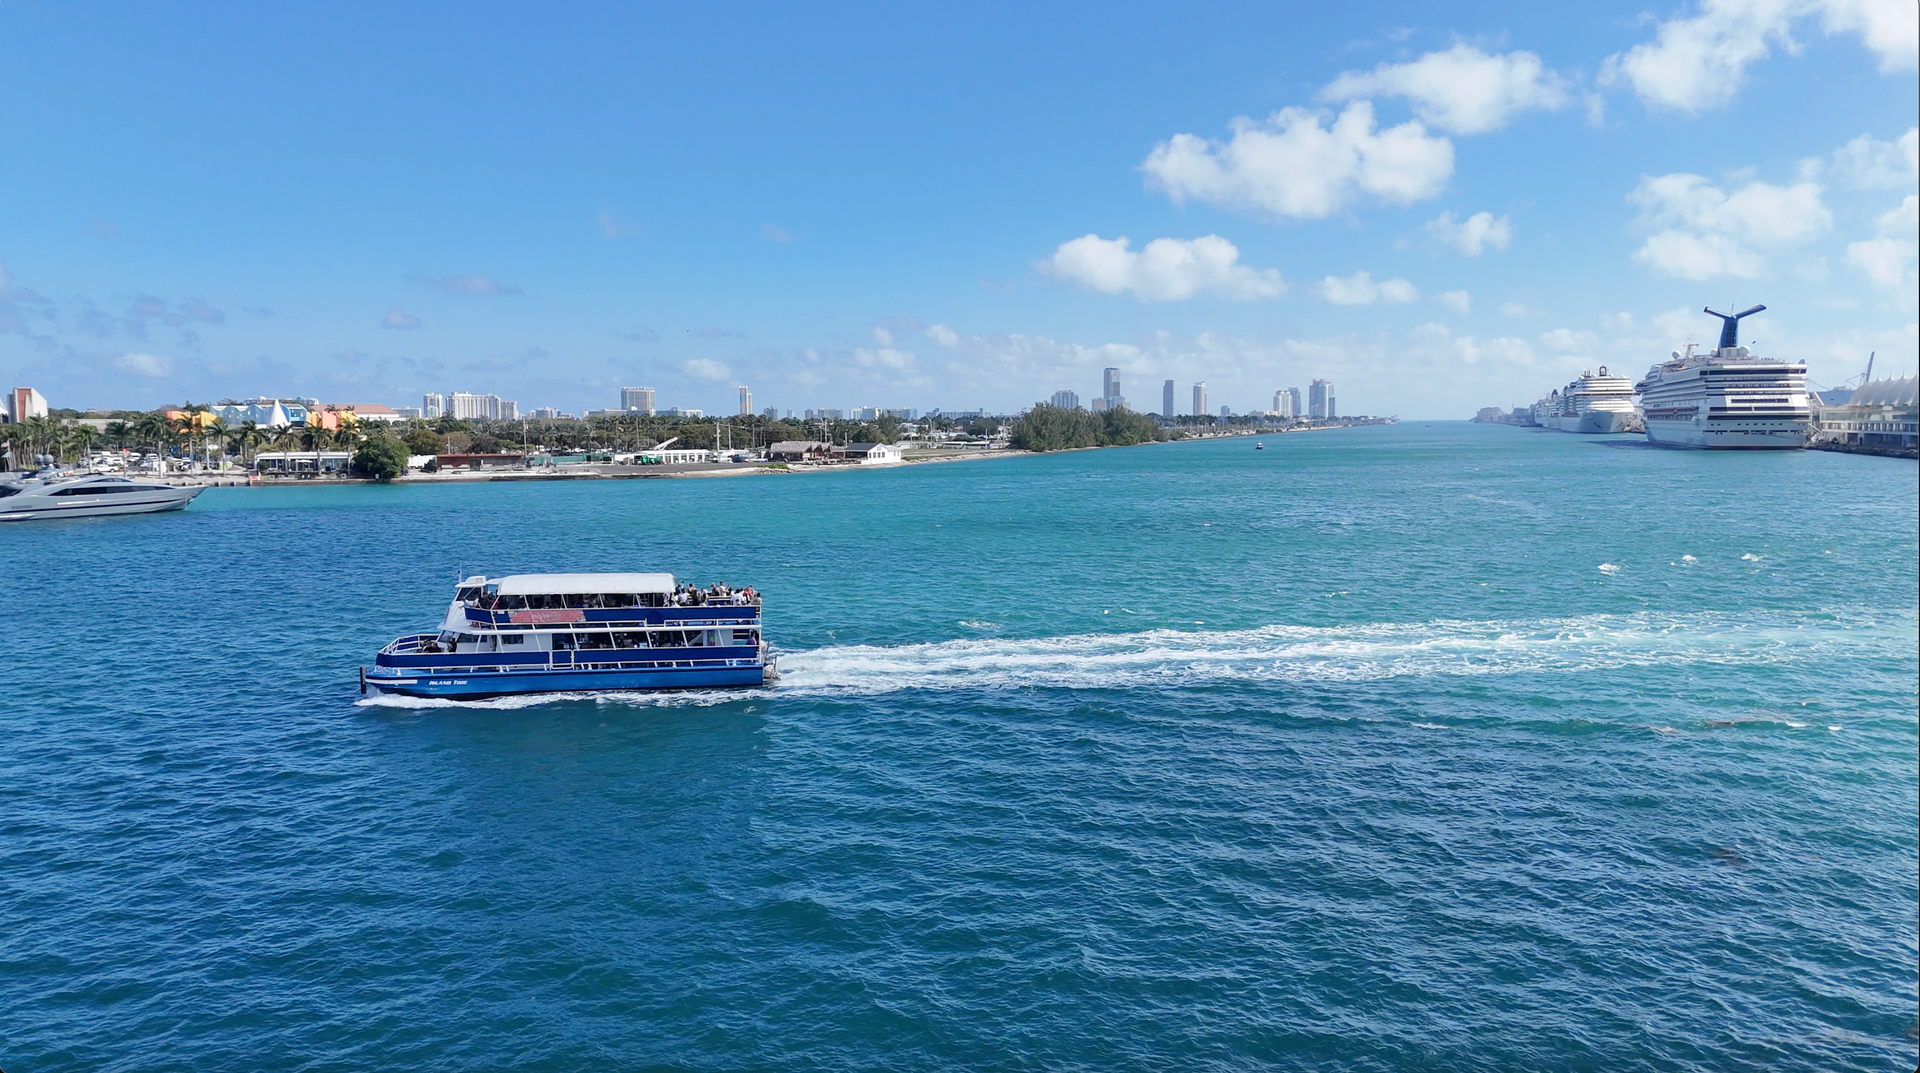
(410,646)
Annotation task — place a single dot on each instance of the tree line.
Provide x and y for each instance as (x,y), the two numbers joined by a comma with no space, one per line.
(1055,428)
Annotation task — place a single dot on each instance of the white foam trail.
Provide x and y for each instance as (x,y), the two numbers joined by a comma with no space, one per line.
(1170,658)
(694,698)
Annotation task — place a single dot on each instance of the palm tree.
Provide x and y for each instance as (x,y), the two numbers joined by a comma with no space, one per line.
(153,428)
(287,438)
(244,439)
(118,433)
(84,435)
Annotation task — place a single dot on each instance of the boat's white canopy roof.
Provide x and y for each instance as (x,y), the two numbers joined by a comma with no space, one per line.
(550,584)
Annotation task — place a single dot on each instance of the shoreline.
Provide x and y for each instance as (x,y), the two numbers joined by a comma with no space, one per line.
(696,470)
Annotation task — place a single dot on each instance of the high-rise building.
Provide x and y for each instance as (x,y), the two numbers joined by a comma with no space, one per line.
(637,398)
(433,405)
(1066,400)
(1320,400)
(1226,411)
(1166,399)
(1200,398)
(773,412)
(1283,403)
(1110,397)
(509,410)
(23,403)
(466,406)
(746,401)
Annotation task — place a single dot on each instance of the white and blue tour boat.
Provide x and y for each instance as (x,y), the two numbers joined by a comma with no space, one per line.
(549,633)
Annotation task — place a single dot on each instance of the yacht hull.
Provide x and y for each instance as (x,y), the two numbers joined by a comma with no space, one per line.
(45,508)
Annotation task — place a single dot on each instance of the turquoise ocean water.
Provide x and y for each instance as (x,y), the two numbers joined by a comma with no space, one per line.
(1423,747)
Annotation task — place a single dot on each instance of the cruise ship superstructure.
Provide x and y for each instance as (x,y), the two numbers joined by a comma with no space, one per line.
(1727,397)
(1596,403)
(545,633)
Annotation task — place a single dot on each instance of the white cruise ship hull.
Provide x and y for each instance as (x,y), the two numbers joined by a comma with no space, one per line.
(1595,422)
(1710,433)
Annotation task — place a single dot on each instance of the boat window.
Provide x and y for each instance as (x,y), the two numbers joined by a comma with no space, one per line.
(512,603)
(466,594)
(447,637)
(653,599)
(563,642)
(616,599)
(596,640)
(669,639)
(634,639)
(98,489)
(514,639)
(744,637)
(8,490)
(574,599)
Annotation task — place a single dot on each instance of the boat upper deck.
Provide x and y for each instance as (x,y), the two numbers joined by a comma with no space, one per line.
(528,601)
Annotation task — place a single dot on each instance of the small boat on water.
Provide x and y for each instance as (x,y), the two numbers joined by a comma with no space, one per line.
(53,493)
(550,633)
(1258,446)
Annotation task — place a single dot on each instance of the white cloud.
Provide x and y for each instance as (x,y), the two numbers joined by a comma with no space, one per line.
(705,369)
(1289,166)
(144,364)
(1462,90)
(1359,289)
(1567,342)
(1166,270)
(1702,231)
(942,335)
(882,357)
(1884,259)
(1458,301)
(1698,62)
(399,320)
(1517,310)
(882,334)
(1872,164)
(1437,340)
(1473,235)
(474,283)
(775,233)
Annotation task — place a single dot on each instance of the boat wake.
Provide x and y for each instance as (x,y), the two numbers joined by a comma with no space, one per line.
(1173,658)
(686,698)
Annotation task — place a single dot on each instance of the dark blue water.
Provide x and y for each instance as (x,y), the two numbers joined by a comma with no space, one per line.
(1429,747)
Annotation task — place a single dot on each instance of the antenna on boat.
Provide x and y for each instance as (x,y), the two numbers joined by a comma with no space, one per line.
(1730,325)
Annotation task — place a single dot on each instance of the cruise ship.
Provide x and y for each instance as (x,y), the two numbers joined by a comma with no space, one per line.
(53,494)
(1727,397)
(1596,403)
(549,633)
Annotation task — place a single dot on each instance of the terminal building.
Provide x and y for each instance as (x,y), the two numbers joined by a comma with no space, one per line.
(1880,416)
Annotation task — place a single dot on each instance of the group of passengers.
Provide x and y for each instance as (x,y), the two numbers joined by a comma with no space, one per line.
(695,596)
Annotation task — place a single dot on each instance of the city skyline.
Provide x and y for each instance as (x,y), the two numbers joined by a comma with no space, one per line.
(1434,215)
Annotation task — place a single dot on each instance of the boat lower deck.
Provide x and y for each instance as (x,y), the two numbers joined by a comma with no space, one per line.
(474,683)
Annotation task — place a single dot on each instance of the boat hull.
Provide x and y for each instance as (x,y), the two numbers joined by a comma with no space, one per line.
(479,685)
(1596,423)
(1707,434)
(48,508)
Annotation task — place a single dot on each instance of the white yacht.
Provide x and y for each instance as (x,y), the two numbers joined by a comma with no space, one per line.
(1597,404)
(1727,397)
(55,494)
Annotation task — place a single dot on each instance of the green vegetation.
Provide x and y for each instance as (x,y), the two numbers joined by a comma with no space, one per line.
(423,439)
(381,457)
(1053,428)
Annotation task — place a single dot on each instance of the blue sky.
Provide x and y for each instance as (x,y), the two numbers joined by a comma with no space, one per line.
(1437,208)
